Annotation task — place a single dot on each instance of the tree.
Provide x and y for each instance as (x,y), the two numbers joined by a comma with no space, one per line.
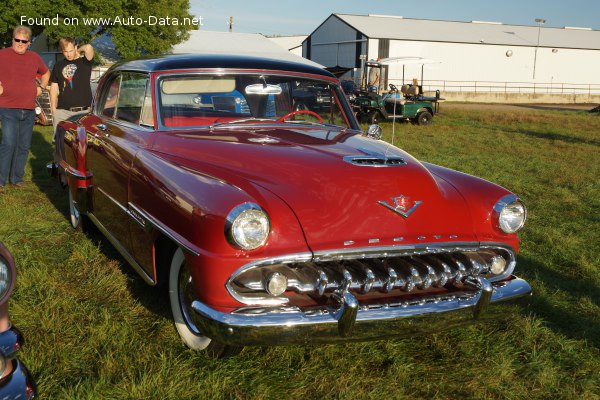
(136,27)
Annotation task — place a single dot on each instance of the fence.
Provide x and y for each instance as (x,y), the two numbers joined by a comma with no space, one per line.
(511,87)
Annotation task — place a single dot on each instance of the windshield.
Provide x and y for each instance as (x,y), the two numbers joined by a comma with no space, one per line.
(218,100)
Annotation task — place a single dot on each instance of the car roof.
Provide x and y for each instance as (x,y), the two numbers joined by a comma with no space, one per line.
(200,61)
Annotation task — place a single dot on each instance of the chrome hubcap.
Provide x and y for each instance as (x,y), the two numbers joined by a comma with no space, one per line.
(187,294)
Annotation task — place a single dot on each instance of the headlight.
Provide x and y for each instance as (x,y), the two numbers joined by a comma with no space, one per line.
(6,279)
(247,226)
(510,213)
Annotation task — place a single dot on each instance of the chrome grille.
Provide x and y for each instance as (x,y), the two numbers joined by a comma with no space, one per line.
(414,273)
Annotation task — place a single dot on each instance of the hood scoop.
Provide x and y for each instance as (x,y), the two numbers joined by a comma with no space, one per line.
(374,159)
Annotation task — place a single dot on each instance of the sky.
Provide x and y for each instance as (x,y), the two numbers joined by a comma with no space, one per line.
(301,17)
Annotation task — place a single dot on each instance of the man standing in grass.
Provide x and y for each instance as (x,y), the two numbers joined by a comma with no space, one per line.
(70,90)
(18,90)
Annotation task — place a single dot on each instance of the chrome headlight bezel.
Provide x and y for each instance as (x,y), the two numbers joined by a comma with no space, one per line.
(7,274)
(234,226)
(501,216)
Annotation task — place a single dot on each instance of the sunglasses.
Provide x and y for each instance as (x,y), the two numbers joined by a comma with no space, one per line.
(24,41)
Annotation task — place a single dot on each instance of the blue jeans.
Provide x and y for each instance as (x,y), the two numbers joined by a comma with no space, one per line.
(17,128)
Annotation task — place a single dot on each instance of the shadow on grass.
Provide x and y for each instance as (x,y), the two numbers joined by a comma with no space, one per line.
(42,152)
(563,314)
(553,107)
(554,136)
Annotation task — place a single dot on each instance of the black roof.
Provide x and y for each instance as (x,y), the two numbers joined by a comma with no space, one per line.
(192,61)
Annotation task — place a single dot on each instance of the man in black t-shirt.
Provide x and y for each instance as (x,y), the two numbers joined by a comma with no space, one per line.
(70,90)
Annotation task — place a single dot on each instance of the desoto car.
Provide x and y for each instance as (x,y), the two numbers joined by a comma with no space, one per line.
(15,380)
(278,224)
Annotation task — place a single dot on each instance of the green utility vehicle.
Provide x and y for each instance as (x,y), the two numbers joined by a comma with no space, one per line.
(406,103)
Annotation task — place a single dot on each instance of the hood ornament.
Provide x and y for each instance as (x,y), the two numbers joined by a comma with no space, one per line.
(402,205)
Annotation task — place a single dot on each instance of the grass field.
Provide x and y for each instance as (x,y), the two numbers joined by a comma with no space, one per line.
(94,330)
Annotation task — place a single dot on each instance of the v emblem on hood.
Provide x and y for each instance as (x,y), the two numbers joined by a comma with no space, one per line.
(402,205)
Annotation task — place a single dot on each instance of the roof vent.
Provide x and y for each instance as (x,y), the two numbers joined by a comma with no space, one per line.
(385,16)
(577,28)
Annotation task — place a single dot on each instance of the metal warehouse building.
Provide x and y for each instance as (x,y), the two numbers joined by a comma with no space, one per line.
(484,58)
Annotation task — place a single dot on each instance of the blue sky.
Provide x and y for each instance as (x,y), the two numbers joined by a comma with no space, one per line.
(285,17)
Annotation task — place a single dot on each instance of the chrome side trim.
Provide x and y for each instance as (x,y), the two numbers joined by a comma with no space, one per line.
(289,325)
(121,249)
(146,221)
(73,172)
(150,222)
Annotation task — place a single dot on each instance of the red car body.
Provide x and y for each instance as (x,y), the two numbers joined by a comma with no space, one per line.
(362,238)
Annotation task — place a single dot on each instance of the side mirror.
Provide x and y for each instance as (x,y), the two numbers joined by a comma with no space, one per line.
(373,132)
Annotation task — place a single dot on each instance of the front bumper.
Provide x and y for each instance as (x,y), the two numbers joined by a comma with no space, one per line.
(352,322)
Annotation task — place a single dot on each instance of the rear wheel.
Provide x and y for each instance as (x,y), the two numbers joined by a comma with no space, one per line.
(181,295)
(424,118)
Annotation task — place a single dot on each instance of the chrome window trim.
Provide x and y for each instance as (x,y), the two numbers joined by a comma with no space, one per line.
(368,252)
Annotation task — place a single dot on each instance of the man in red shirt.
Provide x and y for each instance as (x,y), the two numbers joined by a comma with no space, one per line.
(18,90)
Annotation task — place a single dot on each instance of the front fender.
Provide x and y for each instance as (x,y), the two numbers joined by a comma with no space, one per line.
(481,196)
(193,206)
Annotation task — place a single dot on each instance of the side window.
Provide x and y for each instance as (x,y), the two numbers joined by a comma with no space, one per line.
(110,97)
(131,97)
(147,117)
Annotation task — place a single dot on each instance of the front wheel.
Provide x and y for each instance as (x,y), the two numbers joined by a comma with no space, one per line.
(181,295)
(424,118)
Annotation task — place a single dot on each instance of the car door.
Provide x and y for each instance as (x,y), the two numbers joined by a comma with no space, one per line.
(118,130)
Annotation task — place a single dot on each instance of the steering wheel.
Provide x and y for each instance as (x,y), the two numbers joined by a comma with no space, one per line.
(291,114)
(393,88)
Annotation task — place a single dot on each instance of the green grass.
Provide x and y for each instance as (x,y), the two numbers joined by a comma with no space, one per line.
(94,330)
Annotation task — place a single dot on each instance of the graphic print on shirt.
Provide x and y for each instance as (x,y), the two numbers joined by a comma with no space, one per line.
(69,72)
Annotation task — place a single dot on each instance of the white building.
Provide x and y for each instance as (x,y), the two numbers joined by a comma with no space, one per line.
(474,56)
(293,44)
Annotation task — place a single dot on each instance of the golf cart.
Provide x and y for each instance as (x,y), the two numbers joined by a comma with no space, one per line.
(406,103)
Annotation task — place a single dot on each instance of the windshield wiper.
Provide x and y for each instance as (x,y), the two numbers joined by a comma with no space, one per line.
(239,121)
(313,123)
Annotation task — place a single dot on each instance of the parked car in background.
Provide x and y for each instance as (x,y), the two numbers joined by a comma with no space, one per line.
(277,225)
(15,380)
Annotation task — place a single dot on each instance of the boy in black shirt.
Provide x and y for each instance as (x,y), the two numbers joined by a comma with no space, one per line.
(70,90)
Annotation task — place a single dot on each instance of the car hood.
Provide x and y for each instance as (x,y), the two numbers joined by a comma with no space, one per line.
(334,183)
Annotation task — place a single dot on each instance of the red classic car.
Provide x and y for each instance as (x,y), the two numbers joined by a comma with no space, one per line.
(15,380)
(276,224)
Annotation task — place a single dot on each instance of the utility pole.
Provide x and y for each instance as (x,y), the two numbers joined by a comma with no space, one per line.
(231,24)
(540,22)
